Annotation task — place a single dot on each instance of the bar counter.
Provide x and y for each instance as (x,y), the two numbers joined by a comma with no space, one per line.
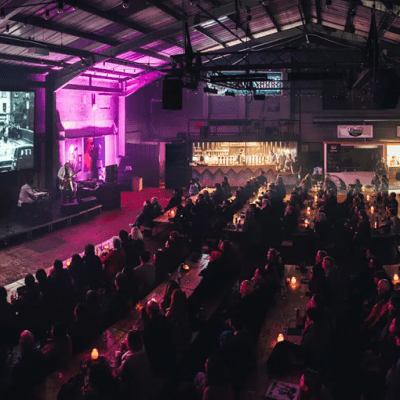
(238,175)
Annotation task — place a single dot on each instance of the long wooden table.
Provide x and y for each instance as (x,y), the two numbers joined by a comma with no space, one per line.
(109,342)
(279,317)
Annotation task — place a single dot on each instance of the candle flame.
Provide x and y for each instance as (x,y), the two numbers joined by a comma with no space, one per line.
(395,277)
(293,280)
(95,354)
(372,209)
(186,267)
(68,263)
(368,197)
(281,338)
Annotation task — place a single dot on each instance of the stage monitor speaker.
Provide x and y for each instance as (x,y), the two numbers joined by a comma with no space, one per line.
(88,202)
(172,94)
(70,209)
(112,173)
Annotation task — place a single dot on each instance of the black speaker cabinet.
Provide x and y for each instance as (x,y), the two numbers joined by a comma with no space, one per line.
(88,202)
(70,209)
(172,94)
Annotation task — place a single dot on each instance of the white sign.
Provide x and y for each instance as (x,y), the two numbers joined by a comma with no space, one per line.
(355,131)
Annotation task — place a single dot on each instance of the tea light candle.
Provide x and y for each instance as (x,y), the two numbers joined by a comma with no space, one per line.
(172,213)
(306,222)
(68,263)
(396,277)
(368,197)
(106,247)
(372,209)
(186,267)
(293,281)
(308,208)
(281,338)
(94,355)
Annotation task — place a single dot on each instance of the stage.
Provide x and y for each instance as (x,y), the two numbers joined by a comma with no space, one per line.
(27,257)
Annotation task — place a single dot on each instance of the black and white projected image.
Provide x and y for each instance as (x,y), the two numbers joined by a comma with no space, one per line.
(16,130)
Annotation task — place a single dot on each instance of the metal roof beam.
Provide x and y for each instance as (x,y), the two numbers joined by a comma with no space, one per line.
(272,18)
(31,60)
(60,78)
(50,25)
(351,13)
(110,78)
(210,35)
(305,10)
(94,88)
(247,34)
(127,63)
(167,10)
(111,72)
(318,9)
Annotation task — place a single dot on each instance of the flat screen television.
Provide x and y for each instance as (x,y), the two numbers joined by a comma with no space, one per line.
(17,129)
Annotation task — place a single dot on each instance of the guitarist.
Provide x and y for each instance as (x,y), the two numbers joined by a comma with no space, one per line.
(66,185)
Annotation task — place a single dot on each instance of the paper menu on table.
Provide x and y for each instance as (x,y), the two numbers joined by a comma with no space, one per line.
(282,391)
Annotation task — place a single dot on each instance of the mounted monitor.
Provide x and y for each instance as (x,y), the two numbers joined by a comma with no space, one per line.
(17,127)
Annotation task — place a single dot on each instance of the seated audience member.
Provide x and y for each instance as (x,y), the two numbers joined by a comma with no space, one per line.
(145,218)
(158,340)
(226,188)
(133,366)
(119,301)
(77,272)
(146,274)
(316,342)
(311,387)
(393,203)
(82,330)
(193,188)
(214,383)
(218,195)
(376,182)
(115,260)
(30,291)
(58,349)
(238,353)
(178,317)
(321,254)
(318,282)
(169,289)
(94,309)
(378,316)
(274,262)
(175,200)
(93,267)
(137,247)
(29,369)
(393,375)
(8,323)
(332,275)
(102,384)
(157,209)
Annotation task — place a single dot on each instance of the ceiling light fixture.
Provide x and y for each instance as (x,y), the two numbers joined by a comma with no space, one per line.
(125,3)
(2,14)
(60,6)
(47,15)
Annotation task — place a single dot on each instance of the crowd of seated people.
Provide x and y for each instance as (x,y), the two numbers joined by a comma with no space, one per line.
(58,314)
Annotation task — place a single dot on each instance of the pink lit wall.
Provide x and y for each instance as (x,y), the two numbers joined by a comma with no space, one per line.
(85,114)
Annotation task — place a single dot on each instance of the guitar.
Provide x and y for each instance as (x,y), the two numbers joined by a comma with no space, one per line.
(67,181)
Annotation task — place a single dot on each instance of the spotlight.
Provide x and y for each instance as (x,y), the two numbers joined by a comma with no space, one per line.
(230,94)
(2,14)
(60,6)
(125,3)
(47,15)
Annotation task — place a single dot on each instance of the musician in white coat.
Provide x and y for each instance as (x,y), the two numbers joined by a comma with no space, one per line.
(66,185)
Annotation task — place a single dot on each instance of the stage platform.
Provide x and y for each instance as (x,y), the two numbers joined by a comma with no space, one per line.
(17,260)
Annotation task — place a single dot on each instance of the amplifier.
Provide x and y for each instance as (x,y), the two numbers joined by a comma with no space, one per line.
(70,209)
(88,202)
